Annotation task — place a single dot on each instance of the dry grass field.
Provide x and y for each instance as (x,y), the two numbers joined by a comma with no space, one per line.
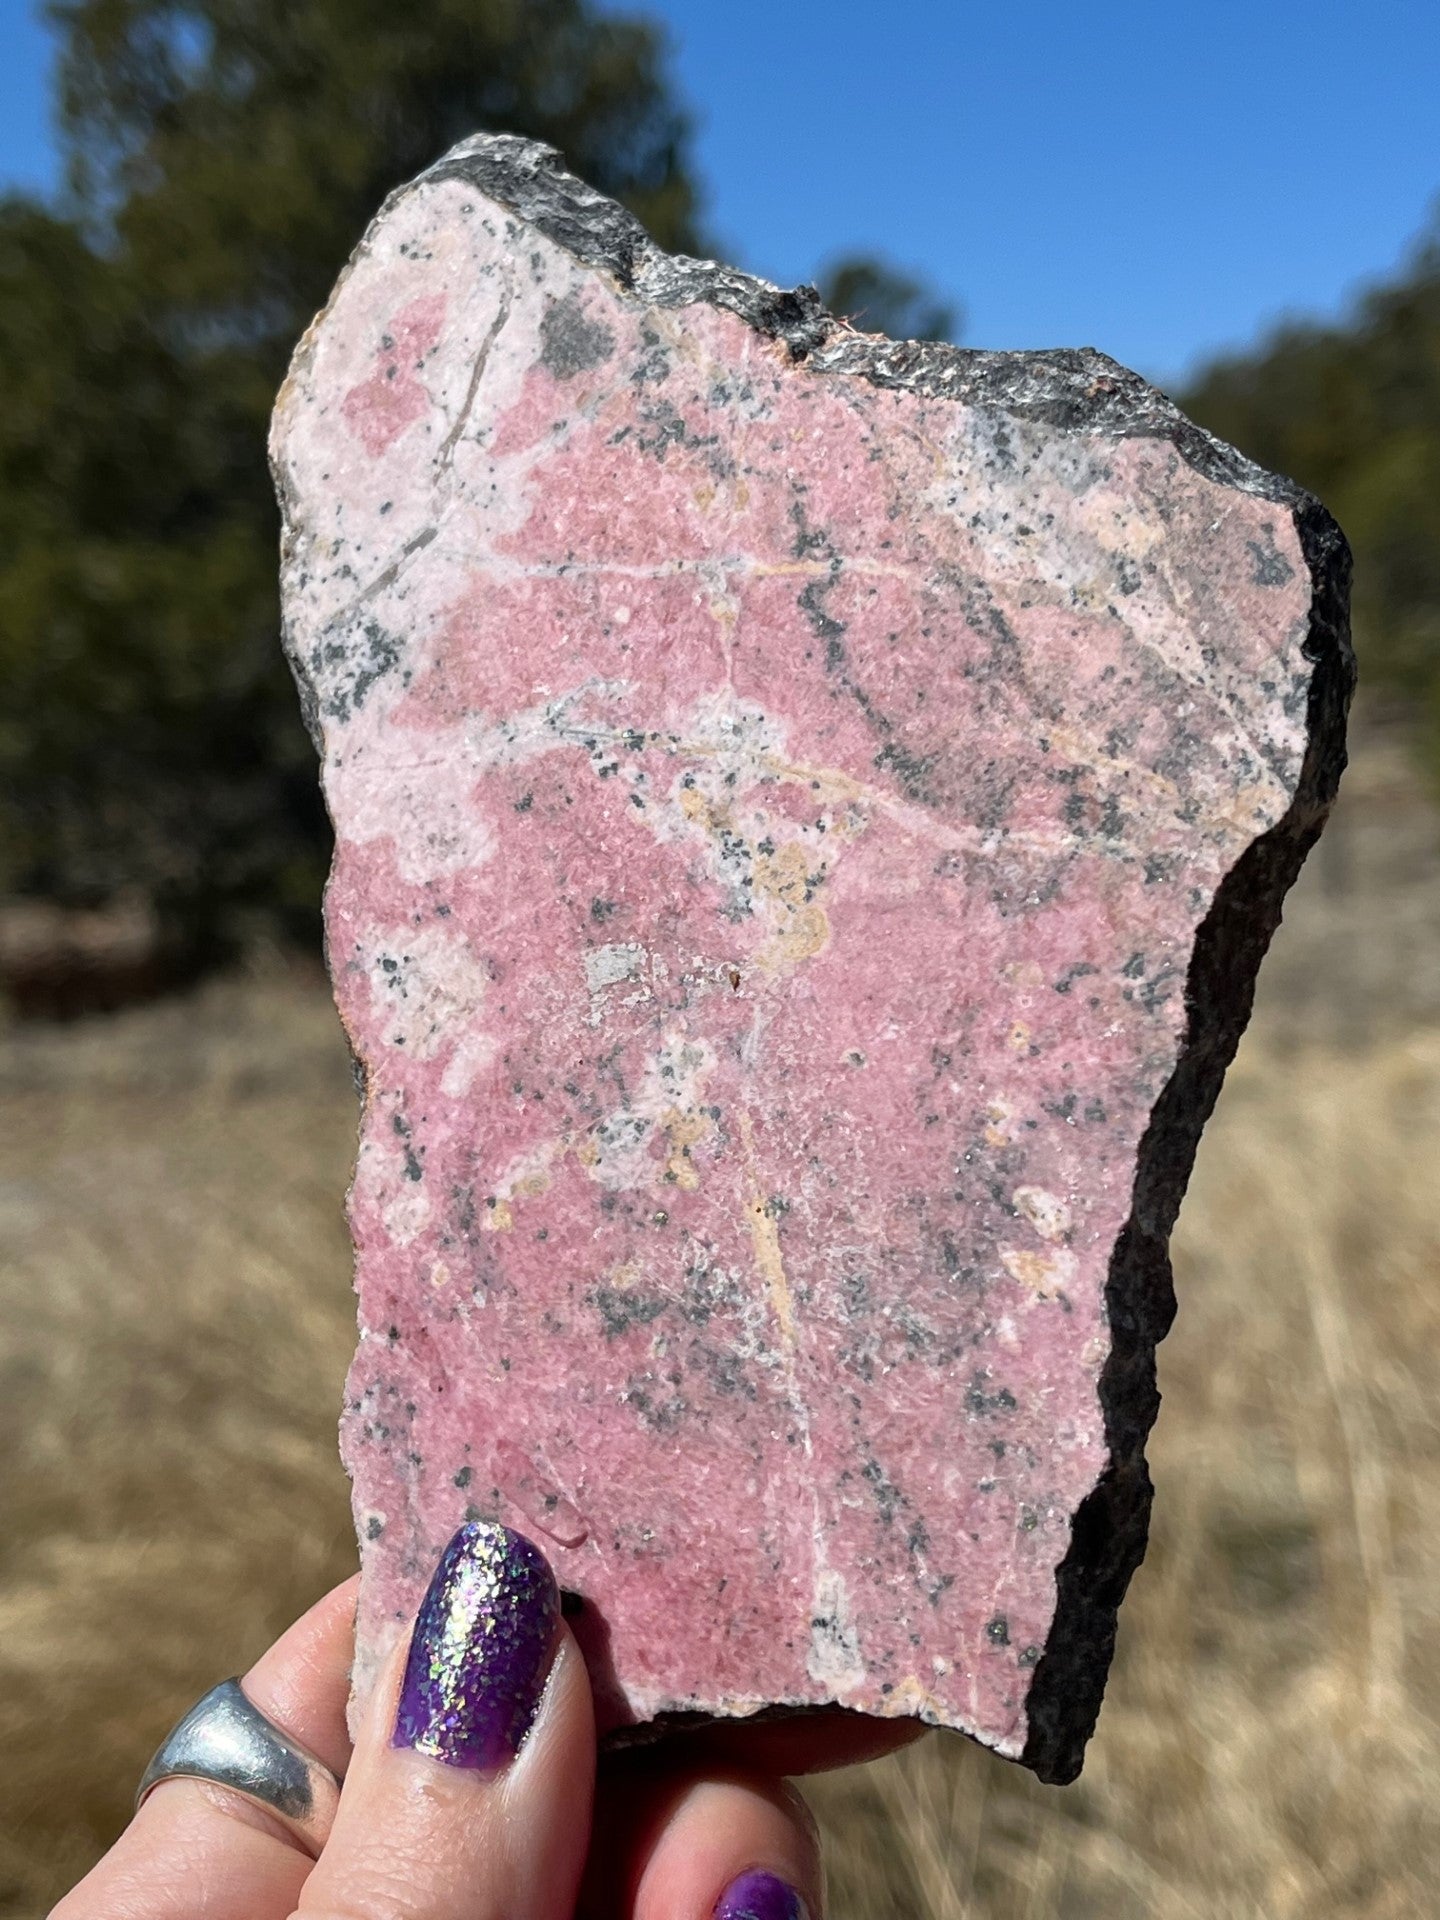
(175,1321)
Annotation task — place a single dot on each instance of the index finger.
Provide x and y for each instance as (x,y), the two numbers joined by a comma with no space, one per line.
(810,1740)
(196,1851)
(303,1681)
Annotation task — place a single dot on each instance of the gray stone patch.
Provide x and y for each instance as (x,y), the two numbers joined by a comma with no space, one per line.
(571,343)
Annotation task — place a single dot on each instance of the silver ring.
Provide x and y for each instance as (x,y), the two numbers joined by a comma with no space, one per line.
(225,1738)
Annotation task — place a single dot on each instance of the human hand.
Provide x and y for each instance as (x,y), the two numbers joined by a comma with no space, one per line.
(471,1793)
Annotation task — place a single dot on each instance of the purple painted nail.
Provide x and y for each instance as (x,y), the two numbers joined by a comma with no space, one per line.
(480,1650)
(759,1895)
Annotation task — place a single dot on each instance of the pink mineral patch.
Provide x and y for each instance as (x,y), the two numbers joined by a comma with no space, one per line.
(776,808)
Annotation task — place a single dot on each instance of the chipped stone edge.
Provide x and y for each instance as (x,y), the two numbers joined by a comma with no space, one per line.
(1108,1533)
(1069,390)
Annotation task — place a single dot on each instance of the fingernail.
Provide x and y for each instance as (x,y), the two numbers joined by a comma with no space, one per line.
(480,1651)
(759,1895)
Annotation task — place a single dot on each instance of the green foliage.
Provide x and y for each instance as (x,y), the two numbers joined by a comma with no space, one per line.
(879,298)
(224,157)
(241,146)
(147,740)
(1352,411)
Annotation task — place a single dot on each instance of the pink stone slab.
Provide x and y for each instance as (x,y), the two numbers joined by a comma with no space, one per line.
(809,813)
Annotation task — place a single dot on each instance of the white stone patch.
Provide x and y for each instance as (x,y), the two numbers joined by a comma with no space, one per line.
(612,966)
(544,728)
(528,1173)
(722,736)
(667,1105)
(473,1054)
(605,965)
(1044,1274)
(407,1214)
(428,987)
(417,790)
(1046,1212)
(834,1657)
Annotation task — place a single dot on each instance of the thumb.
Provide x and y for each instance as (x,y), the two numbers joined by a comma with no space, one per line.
(469,1796)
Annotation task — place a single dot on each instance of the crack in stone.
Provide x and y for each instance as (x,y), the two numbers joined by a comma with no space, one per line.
(444,458)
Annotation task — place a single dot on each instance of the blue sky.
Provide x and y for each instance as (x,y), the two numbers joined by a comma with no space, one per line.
(1155,177)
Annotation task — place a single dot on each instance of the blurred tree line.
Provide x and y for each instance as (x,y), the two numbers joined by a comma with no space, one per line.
(222,159)
(1352,411)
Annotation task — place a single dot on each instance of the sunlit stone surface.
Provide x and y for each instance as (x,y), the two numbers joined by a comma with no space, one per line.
(784,783)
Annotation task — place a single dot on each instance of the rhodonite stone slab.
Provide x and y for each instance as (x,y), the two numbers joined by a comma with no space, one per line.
(809,811)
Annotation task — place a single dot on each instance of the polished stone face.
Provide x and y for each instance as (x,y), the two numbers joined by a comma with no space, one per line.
(776,803)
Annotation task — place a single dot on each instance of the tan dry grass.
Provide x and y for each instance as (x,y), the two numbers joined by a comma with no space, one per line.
(175,1319)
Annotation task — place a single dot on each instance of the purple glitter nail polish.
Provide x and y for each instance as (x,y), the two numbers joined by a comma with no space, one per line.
(759,1895)
(480,1650)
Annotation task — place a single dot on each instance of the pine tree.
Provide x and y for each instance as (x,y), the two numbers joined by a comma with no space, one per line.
(1352,411)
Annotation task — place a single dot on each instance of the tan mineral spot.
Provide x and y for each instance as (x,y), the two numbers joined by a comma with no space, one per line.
(1046,1212)
(1043,1273)
(765,1239)
(683,1131)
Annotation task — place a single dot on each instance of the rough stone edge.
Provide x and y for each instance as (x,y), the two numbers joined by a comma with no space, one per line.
(1068,390)
(1108,1534)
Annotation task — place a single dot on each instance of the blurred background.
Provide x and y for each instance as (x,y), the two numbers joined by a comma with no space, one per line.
(1237,200)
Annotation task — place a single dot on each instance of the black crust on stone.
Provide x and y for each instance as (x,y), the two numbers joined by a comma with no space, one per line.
(1107,1540)
(1074,389)
(1079,391)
